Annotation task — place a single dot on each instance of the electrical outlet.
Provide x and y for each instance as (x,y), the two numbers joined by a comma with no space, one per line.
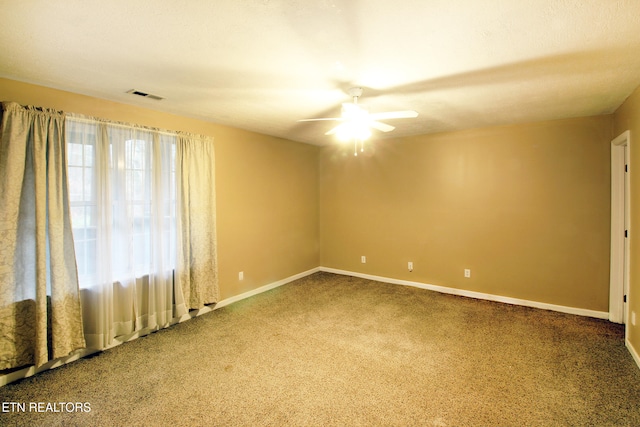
(467,272)
(410,266)
(241,275)
(363,259)
(633,318)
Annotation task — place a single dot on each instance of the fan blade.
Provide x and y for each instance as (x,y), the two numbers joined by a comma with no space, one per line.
(335,129)
(324,118)
(394,115)
(381,126)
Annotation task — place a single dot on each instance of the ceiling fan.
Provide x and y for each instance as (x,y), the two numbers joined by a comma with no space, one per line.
(356,121)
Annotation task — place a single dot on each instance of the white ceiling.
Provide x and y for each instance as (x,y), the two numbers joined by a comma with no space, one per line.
(262,65)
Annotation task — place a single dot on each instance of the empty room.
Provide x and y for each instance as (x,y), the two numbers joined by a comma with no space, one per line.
(271,212)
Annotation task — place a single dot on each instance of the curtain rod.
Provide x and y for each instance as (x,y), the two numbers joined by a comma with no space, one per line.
(85,119)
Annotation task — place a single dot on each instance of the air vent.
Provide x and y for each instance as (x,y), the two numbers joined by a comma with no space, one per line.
(144,94)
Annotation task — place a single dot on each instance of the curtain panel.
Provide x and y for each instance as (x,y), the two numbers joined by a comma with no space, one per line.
(197,257)
(40,314)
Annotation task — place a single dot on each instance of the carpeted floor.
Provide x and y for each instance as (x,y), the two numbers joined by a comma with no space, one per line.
(337,350)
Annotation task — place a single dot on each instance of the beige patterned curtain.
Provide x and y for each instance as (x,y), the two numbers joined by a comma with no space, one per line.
(197,272)
(40,315)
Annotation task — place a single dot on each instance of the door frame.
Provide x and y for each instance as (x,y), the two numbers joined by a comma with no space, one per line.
(620,214)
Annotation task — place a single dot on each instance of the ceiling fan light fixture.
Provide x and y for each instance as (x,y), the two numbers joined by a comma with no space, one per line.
(353,129)
(357,122)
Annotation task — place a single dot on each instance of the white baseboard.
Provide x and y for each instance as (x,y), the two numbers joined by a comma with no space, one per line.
(31,370)
(265,288)
(473,294)
(633,352)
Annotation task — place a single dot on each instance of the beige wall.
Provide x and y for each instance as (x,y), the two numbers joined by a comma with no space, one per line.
(525,207)
(267,188)
(627,117)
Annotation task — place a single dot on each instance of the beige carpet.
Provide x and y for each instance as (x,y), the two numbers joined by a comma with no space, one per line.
(343,351)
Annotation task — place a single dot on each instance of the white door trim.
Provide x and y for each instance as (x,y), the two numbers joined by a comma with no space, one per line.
(619,261)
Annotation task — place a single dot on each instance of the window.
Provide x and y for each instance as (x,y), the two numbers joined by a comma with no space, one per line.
(123,201)
(81,172)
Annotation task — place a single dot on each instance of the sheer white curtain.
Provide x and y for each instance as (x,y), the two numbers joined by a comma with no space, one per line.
(123,208)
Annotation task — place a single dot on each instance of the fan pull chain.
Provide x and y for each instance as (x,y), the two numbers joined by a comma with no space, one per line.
(355,146)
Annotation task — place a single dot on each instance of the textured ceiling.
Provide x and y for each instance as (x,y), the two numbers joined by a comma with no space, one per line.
(262,65)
